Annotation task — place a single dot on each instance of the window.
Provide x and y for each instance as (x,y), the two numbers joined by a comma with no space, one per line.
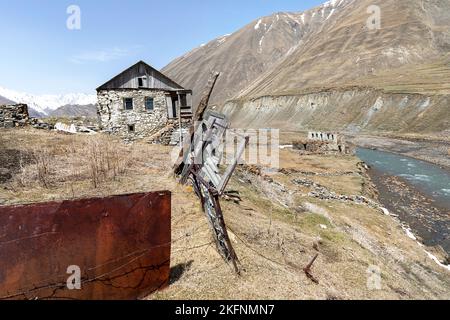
(128,103)
(149,104)
(131,128)
(142,81)
(183,99)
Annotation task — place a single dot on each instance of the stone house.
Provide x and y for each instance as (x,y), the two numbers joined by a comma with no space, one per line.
(141,101)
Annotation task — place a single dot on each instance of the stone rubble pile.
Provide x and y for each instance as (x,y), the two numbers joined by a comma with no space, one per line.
(15,115)
(321,192)
(318,174)
(170,134)
(39,124)
(303,182)
(325,194)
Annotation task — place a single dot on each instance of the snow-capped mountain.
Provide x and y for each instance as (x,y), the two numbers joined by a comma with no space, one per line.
(45,104)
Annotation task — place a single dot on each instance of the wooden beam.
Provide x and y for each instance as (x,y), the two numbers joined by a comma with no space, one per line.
(179,120)
(229,171)
(198,116)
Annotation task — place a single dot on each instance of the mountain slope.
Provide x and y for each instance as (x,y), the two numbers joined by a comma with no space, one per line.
(344,49)
(337,73)
(89,111)
(4,100)
(245,54)
(249,52)
(325,46)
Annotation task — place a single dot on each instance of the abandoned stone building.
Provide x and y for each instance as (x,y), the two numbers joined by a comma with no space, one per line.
(323,143)
(141,102)
(14,115)
(323,136)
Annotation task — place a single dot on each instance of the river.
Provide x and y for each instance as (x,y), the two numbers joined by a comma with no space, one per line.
(417,191)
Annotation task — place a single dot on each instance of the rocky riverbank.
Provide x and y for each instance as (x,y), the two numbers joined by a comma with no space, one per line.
(426,220)
(416,192)
(433,150)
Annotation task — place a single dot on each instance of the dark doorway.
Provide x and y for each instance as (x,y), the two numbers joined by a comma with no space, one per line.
(174,106)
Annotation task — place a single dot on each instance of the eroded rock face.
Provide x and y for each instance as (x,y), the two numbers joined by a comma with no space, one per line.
(14,115)
(349,110)
(132,124)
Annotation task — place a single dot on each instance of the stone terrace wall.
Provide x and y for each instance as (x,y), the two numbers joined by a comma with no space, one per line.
(15,115)
(116,120)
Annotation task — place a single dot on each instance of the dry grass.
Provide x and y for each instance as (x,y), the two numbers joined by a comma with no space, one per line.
(276,229)
(275,239)
(95,158)
(65,166)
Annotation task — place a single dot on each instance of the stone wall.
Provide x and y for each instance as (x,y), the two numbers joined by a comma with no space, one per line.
(319,142)
(321,147)
(170,134)
(322,136)
(116,120)
(15,115)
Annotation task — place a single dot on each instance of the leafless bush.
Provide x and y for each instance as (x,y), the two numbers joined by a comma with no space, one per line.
(70,161)
(107,160)
(42,166)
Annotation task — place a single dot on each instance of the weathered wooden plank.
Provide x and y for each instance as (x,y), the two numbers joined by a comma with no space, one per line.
(128,79)
(227,175)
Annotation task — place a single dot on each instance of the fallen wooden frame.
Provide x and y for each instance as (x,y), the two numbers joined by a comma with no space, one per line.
(199,163)
(201,168)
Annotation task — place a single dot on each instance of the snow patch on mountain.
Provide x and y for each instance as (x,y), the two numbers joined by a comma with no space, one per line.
(331,13)
(303,18)
(48,102)
(258,24)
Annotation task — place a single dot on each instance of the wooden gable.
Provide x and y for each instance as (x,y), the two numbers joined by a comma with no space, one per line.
(141,75)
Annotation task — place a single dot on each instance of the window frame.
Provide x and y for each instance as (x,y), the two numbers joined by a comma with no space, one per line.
(153,104)
(125,104)
(143,80)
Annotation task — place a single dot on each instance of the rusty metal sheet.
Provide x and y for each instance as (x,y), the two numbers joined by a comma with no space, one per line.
(121,245)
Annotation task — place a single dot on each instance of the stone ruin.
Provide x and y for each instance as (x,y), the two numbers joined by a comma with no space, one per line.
(322,143)
(14,115)
(322,136)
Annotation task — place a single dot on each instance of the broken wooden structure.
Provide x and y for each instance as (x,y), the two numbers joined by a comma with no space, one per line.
(199,164)
(120,244)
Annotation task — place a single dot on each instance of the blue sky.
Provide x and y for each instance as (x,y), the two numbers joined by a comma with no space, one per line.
(39,54)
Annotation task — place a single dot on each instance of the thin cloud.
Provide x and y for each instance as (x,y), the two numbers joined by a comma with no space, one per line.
(104,55)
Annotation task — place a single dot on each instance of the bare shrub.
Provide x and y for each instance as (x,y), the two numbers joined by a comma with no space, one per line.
(67,162)
(106,160)
(42,166)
